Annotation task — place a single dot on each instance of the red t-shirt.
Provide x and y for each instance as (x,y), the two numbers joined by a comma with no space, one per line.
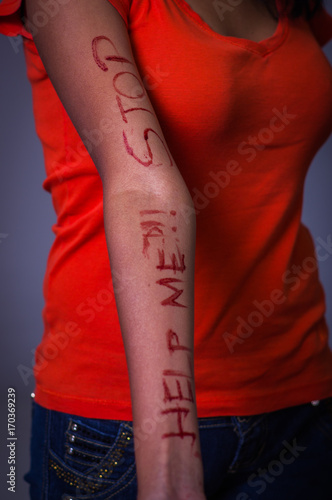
(243,121)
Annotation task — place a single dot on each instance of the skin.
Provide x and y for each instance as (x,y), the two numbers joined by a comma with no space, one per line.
(254,20)
(149,224)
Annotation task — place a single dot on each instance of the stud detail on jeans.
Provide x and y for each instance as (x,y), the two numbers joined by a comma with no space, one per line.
(72,439)
(74,427)
(93,484)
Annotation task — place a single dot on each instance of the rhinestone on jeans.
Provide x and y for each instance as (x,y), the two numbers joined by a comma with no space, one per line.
(74,427)
(96,480)
(72,438)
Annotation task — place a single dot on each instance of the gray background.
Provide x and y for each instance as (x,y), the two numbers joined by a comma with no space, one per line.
(26,217)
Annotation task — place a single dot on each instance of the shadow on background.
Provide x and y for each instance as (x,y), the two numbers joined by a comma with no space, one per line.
(26,217)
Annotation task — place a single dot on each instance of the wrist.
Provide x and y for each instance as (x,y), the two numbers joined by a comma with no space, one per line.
(187,486)
(169,469)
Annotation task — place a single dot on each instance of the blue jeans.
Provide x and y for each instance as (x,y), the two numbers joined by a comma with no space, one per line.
(282,455)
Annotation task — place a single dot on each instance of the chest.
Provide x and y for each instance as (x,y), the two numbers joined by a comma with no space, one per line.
(211,90)
(254,20)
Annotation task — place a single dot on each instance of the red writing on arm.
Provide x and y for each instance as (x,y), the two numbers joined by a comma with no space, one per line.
(147,162)
(152,224)
(175,373)
(153,230)
(181,415)
(176,264)
(171,301)
(173,342)
(120,81)
(177,384)
(113,58)
(138,86)
(124,111)
(151,212)
(179,395)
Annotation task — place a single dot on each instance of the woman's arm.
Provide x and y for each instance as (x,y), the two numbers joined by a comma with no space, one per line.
(150,233)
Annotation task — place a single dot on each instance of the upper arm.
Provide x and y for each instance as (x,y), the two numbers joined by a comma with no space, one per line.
(87,54)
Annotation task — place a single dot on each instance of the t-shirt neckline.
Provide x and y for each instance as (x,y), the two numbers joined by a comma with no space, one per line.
(262,47)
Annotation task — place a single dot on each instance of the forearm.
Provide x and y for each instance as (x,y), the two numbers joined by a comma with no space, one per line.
(151,242)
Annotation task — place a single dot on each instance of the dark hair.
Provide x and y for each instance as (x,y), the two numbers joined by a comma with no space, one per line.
(296,8)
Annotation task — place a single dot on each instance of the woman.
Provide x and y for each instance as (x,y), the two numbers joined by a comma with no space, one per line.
(183,117)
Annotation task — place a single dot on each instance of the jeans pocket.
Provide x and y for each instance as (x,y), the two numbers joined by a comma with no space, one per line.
(93,461)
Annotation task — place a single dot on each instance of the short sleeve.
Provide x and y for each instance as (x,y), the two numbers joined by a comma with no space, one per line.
(321,26)
(10,19)
(123,7)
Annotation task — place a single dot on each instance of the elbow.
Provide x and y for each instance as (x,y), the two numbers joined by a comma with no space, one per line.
(161,194)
